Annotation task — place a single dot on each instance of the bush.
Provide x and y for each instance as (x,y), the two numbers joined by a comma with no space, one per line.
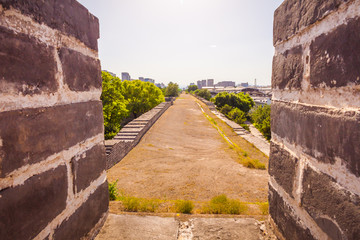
(226,109)
(204,93)
(260,116)
(184,206)
(241,101)
(222,205)
(237,115)
(113,192)
(172,90)
(192,88)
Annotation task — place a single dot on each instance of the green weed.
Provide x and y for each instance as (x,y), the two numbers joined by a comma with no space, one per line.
(184,206)
(222,205)
(113,191)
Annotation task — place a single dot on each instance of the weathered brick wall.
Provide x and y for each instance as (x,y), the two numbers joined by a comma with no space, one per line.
(52,157)
(315,150)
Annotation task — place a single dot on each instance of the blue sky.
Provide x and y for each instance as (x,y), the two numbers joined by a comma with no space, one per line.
(187,40)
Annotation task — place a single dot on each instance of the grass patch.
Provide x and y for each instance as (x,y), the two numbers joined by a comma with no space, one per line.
(134,204)
(184,206)
(253,163)
(222,205)
(264,207)
(113,191)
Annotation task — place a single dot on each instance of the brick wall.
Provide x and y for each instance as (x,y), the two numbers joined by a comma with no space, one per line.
(314,188)
(52,157)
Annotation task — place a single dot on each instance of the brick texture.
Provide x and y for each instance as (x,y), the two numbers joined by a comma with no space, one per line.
(333,62)
(27,66)
(86,217)
(300,14)
(287,223)
(288,69)
(323,133)
(30,135)
(322,197)
(26,209)
(88,166)
(81,73)
(67,16)
(282,166)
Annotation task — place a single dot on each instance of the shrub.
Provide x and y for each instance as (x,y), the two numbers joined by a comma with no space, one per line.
(260,116)
(222,205)
(204,93)
(184,206)
(113,192)
(237,115)
(242,101)
(226,109)
(131,204)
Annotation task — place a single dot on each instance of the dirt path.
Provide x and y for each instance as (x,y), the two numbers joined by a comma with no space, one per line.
(184,157)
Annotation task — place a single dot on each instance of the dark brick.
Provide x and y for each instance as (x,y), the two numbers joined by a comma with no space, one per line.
(288,69)
(287,223)
(294,15)
(282,166)
(30,135)
(323,133)
(81,73)
(25,210)
(26,66)
(333,62)
(86,217)
(321,197)
(68,16)
(88,167)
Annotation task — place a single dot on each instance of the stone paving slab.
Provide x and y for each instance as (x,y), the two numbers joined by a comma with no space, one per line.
(137,227)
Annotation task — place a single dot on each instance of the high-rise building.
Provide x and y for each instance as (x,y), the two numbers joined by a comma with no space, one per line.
(210,82)
(125,76)
(203,83)
(149,80)
(199,84)
(141,78)
(244,84)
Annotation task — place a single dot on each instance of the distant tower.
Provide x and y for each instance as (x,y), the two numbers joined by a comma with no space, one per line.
(125,76)
(255,82)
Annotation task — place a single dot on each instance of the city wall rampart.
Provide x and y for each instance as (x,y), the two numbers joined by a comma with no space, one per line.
(52,156)
(314,188)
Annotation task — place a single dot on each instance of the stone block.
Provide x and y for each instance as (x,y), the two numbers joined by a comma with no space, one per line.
(86,217)
(29,136)
(67,16)
(293,16)
(324,133)
(88,166)
(335,210)
(26,66)
(288,69)
(81,73)
(333,62)
(282,166)
(27,209)
(287,223)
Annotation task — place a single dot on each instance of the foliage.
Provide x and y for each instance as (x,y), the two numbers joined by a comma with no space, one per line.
(204,93)
(192,88)
(260,116)
(134,204)
(226,109)
(113,192)
(237,115)
(122,98)
(222,205)
(114,104)
(141,96)
(241,101)
(264,208)
(253,163)
(172,90)
(184,206)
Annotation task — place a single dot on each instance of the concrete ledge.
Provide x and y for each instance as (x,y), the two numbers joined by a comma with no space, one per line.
(131,134)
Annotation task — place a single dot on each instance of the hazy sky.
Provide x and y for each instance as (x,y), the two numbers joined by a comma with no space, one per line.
(187,40)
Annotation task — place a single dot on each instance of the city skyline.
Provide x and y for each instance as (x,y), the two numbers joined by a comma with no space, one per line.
(185,41)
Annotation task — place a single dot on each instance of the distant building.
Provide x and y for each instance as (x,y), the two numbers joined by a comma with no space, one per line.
(125,76)
(149,80)
(226,84)
(141,78)
(244,84)
(199,84)
(210,82)
(112,74)
(192,84)
(203,83)
(160,85)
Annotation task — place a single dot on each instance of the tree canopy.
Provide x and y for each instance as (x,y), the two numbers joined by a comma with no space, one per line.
(123,99)
(172,90)
(192,88)
(204,93)
(241,101)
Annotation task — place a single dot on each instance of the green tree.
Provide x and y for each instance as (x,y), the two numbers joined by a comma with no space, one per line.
(225,109)
(192,88)
(242,101)
(172,90)
(204,93)
(141,96)
(114,104)
(260,116)
(237,115)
